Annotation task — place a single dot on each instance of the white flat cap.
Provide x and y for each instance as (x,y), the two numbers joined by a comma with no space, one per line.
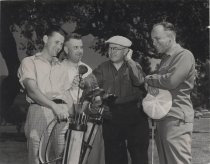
(120,40)
(157,107)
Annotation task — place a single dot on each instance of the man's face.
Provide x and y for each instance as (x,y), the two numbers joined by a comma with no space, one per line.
(161,39)
(116,53)
(74,50)
(54,43)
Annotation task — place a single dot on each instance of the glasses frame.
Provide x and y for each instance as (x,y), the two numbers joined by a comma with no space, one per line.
(116,49)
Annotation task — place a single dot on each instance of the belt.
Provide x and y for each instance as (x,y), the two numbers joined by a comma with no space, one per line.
(57,101)
(128,103)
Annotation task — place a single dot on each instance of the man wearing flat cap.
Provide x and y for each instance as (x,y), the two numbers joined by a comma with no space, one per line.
(128,126)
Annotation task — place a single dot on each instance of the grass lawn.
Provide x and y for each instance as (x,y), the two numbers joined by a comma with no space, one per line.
(13,147)
(201,141)
(200,144)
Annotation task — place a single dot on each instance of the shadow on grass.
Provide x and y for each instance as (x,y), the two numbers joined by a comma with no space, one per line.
(200,132)
(18,137)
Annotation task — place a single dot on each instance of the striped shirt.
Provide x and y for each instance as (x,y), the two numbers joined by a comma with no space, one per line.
(124,83)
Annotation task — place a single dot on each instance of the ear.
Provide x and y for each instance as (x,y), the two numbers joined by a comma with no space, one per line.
(66,49)
(45,39)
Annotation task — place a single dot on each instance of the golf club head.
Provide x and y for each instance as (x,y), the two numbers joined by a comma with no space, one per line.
(93,93)
(109,99)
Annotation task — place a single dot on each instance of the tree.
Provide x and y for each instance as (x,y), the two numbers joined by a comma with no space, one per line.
(10,85)
(105,18)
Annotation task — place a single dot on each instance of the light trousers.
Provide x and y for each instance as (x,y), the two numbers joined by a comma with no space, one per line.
(37,121)
(173,140)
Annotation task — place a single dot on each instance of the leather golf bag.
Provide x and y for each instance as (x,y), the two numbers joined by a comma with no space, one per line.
(92,128)
(74,139)
(80,137)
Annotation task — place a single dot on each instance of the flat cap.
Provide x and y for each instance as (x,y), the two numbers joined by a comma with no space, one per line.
(157,107)
(120,40)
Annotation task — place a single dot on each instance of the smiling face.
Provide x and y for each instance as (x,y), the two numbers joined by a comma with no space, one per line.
(74,50)
(117,52)
(161,39)
(53,43)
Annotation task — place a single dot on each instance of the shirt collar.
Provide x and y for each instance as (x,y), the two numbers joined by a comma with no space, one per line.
(80,63)
(176,48)
(73,64)
(123,64)
(55,60)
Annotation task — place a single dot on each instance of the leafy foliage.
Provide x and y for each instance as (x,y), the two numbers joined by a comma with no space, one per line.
(200,94)
(103,19)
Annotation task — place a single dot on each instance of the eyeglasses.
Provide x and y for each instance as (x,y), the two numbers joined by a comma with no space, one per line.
(115,49)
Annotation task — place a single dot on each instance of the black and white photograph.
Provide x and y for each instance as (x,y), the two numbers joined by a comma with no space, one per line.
(104,82)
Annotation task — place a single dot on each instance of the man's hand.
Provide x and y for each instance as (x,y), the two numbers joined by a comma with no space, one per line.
(95,104)
(153,91)
(75,82)
(129,55)
(60,111)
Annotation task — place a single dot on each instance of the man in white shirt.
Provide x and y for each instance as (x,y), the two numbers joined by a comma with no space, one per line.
(73,47)
(46,82)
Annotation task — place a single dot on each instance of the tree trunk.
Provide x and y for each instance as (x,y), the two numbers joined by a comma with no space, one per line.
(10,86)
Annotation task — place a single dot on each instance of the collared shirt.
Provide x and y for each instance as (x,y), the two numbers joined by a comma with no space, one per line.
(51,78)
(124,83)
(176,73)
(72,72)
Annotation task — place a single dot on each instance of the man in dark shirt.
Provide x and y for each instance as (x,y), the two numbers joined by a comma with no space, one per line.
(128,127)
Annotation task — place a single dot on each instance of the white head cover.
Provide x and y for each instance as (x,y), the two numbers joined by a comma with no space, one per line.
(156,107)
(120,40)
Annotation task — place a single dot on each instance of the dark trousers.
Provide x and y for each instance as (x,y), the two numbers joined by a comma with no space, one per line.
(127,130)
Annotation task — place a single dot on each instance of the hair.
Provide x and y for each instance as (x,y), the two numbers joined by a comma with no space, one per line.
(167,26)
(73,36)
(57,29)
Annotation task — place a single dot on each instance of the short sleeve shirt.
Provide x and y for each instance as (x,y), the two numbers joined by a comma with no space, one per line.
(51,78)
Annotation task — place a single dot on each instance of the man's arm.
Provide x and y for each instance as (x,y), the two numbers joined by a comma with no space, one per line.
(136,73)
(175,75)
(70,102)
(35,94)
